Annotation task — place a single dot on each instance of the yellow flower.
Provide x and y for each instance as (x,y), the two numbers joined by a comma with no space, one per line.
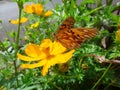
(3,88)
(34,8)
(117,39)
(34,25)
(47,54)
(23,20)
(48,13)
(38,9)
(117,34)
(28,8)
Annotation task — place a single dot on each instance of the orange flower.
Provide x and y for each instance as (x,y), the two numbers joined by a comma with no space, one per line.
(34,8)
(28,9)
(38,9)
(47,54)
(23,20)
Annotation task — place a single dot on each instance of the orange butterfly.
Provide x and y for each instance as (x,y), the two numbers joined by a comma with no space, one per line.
(71,37)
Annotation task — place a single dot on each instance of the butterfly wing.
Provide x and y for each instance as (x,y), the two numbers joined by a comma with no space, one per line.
(81,34)
(64,27)
(67,24)
(76,36)
(71,37)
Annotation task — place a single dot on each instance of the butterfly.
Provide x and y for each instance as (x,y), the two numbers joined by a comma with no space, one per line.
(71,37)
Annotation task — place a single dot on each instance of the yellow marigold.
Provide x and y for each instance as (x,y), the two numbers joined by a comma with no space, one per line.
(34,25)
(23,20)
(34,8)
(47,54)
(48,13)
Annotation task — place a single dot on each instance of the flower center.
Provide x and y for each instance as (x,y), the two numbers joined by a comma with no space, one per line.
(50,57)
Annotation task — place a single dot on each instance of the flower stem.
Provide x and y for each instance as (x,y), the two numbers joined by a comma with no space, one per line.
(18,32)
(17,40)
(101,77)
(94,10)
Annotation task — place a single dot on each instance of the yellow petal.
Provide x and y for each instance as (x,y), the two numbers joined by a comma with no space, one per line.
(32,50)
(27,58)
(46,46)
(34,25)
(45,69)
(23,20)
(45,43)
(3,88)
(47,66)
(38,9)
(28,9)
(14,21)
(63,58)
(34,53)
(58,48)
(117,39)
(39,64)
(48,13)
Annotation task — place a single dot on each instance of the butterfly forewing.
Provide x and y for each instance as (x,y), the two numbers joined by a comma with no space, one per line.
(67,24)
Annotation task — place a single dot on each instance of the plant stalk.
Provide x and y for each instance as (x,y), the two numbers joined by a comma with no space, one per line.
(17,39)
(93,88)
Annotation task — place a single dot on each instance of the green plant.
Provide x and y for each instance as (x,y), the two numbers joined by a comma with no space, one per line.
(95,65)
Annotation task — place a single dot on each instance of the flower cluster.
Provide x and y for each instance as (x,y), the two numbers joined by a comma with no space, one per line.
(33,9)
(37,9)
(46,54)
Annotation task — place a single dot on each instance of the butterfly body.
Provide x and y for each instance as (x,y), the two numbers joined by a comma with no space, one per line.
(71,37)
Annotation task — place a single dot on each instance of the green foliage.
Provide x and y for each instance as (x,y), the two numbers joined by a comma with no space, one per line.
(84,71)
